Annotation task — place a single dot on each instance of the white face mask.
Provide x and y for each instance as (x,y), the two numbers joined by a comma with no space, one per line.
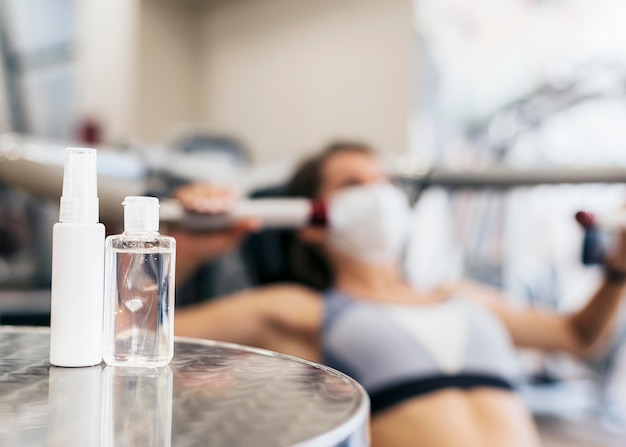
(369,223)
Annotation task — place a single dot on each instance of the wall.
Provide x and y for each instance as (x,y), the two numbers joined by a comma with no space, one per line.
(4,110)
(168,74)
(289,75)
(283,75)
(106,52)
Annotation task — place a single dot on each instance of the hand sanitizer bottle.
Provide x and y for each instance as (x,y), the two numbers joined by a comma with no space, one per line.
(77,266)
(139,289)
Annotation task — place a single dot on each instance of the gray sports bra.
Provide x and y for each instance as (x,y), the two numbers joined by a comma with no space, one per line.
(400,351)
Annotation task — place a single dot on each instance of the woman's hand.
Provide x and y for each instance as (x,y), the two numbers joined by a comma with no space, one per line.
(615,262)
(205,198)
(194,248)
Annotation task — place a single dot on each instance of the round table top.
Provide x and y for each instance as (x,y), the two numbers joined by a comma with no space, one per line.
(211,394)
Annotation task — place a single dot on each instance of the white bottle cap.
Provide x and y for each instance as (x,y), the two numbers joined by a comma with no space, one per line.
(141,214)
(79,200)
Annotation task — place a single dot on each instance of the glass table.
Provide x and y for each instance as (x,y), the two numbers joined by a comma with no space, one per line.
(211,394)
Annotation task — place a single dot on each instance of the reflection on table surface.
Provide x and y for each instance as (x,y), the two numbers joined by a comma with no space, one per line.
(211,394)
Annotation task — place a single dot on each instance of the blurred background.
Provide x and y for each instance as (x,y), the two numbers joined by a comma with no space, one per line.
(236,91)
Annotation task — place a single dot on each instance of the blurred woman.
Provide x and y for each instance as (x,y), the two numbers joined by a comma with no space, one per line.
(439,366)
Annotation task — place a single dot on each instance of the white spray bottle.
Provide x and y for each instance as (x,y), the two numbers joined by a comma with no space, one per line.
(77,266)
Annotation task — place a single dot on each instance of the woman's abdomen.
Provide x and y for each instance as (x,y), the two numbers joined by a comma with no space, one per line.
(480,417)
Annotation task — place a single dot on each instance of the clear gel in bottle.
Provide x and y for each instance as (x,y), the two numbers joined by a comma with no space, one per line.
(139,289)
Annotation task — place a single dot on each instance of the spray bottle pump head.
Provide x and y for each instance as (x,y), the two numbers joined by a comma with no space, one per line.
(79,199)
(141,214)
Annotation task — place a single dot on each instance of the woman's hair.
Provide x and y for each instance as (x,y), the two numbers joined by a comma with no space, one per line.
(307,263)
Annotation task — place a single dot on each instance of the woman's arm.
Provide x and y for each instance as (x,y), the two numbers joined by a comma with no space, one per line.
(254,317)
(576,333)
(195,248)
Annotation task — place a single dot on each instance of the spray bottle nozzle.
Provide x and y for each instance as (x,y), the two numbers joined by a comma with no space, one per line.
(79,200)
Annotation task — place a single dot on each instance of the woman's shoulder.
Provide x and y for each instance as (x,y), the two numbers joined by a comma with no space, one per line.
(292,305)
(290,291)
